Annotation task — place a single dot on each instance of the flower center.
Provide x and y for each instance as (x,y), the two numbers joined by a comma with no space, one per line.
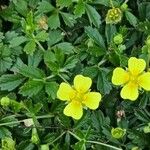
(133,78)
(78,97)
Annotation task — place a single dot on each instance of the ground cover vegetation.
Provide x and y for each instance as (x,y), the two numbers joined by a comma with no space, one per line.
(74,74)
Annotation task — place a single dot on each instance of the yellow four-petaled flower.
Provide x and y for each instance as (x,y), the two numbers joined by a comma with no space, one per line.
(78,96)
(132,79)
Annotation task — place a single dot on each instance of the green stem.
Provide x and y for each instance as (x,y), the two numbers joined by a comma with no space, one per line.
(111,3)
(148,61)
(78,138)
(56,138)
(62,78)
(107,145)
(15,122)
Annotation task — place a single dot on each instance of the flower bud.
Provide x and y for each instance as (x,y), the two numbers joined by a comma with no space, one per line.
(35,137)
(8,144)
(44,147)
(5,101)
(146,129)
(118,133)
(118,39)
(124,7)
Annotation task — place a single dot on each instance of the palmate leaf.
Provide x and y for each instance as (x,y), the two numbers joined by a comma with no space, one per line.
(63,3)
(5,63)
(31,87)
(10,81)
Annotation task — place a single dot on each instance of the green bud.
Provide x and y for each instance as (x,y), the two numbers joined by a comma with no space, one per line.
(118,39)
(35,137)
(146,129)
(124,7)
(44,147)
(135,148)
(121,48)
(118,133)
(148,41)
(90,43)
(8,144)
(5,101)
(28,28)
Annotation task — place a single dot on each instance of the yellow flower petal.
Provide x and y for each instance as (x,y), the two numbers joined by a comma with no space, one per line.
(130,91)
(74,110)
(120,76)
(65,92)
(144,81)
(136,66)
(92,100)
(82,84)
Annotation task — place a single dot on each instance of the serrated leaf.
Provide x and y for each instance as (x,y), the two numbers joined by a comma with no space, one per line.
(17,41)
(71,62)
(31,72)
(51,89)
(45,7)
(54,37)
(93,15)
(31,88)
(95,35)
(4,132)
(66,47)
(10,81)
(63,3)
(79,9)
(53,21)
(69,19)
(42,36)
(21,7)
(131,18)
(30,47)
(103,85)
(5,63)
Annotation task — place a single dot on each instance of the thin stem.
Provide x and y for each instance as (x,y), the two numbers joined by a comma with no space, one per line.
(49,77)
(107,145)
(39,44)
(56,138)
(62,78)
(15,122)
(78,138)
(111,3)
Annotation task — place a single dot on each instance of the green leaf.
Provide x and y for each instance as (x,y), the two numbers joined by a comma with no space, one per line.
(80,145)
(51,89)
(30,47)
(103,85)
(10,81)
(93,15)
(17,41)
(54,37)
(69,19)
(21,7)
(110,31)
(4,132)
(95,35)
(5,63)
(53,21)
(45,7)
(66,47)
(31,88)
(63,3)
(79,9)
(131,18)
(31,72)
(42,36)
(71,62)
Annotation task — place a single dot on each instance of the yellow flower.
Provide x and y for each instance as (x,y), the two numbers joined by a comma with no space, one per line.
(132,79)
(78,96)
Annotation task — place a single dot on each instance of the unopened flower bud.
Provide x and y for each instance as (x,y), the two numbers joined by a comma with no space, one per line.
(118,133)
(124,7)
(118,39)
(5,101)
